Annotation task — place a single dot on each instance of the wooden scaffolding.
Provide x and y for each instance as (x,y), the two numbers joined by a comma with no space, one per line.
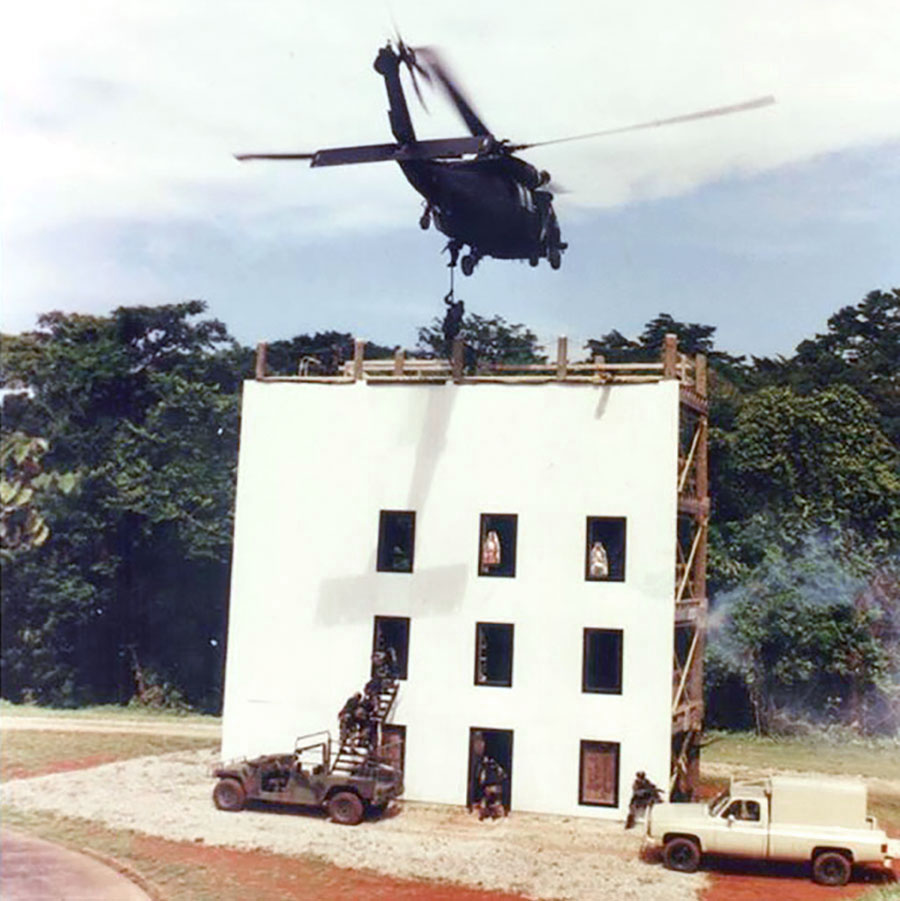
(692,489)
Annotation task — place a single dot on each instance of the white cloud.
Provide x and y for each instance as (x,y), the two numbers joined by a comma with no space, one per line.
(119,108)
(123,110)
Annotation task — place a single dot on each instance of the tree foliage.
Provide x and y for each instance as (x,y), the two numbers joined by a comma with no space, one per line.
(861,349)
(22,525)
(318,354)
(489,341)
(813,629)
(142,406)
(117,519)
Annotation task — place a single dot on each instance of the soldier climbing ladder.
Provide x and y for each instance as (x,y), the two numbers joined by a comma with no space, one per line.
(363,715)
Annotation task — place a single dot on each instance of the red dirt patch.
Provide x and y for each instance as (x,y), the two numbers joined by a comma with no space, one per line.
(57,766)
(273,877)
(734,880)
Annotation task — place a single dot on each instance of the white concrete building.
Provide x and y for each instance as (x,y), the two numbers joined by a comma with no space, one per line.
(369,511)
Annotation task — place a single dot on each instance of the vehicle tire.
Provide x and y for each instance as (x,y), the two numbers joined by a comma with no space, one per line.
(468,264)
(831,868)
(533,261)
(229,795)
(555,259)
(425,221)
(345,808)
(681,854)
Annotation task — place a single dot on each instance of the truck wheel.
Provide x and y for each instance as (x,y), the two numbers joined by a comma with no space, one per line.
(831,868)
(681,854)
(345,808)
(229,795)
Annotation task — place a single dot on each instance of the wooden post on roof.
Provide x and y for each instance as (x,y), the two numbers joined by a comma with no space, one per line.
(562,363)
(670,356)
(359,353)
(456,360)
(261,349)
(399,360)
(700,375)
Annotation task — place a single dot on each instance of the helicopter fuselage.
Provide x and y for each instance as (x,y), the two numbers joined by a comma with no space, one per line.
(491,203)
(480,203)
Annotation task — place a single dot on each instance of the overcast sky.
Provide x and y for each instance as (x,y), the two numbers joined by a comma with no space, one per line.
(119,120)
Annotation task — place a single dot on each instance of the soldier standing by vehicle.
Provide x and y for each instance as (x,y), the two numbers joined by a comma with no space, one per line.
(644,794)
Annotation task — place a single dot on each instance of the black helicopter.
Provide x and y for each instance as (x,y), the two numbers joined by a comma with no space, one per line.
(476,190)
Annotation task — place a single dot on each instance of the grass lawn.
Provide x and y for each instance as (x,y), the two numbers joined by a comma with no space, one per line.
(844,755)
(36,752)
(105,711)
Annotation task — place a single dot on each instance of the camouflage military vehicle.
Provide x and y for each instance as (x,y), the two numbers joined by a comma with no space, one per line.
(309,777)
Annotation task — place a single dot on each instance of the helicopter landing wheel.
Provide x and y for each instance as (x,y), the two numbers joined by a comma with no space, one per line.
(533,261)
(425,221)
(555,259)
(468,264)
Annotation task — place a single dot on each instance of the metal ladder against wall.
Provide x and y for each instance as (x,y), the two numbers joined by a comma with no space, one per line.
(356,752)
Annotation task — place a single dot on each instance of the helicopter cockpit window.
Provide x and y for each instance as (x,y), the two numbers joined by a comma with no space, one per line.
(525,197)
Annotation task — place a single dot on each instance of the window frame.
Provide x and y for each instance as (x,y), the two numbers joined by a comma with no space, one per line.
(620,569)
(508,681)
(403,663)
(382,551)
(508,569)
(617,689)
(587,744)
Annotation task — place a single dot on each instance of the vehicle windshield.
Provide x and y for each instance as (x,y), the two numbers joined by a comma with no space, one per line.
(717,805)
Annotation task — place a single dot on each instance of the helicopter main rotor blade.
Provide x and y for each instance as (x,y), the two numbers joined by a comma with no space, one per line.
(441,148)
(439,68)
(243,157)
(747,105)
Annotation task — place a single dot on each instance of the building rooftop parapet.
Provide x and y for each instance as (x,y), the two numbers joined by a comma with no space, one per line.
(690,371)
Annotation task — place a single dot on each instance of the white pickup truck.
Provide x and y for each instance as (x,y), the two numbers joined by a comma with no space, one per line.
(823,821)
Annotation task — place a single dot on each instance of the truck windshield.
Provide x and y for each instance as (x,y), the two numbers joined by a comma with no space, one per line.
(717,805)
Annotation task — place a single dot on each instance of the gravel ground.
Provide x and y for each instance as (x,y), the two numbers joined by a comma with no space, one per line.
(540,856)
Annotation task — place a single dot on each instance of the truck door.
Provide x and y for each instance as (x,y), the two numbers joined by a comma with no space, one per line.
(744,829)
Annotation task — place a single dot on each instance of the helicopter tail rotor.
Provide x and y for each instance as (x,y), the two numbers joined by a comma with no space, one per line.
(407,56)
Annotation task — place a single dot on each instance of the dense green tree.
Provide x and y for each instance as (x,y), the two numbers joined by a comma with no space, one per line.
(23,482)
(318,354)
(861,348)
(488,341)
(792,465)
(693,338)
(142,405)
(810,634)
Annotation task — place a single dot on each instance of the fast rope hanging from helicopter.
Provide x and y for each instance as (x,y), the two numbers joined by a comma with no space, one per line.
(453,317)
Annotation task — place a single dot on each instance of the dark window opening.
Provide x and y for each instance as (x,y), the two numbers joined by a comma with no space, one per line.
(393,745)
(392,632)
(396,541)
(493,654)
(489,745)
(598,778)
(497,544)
(602,670)
(604,555)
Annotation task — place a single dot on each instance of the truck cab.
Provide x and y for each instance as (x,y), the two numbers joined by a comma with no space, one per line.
(822,821)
